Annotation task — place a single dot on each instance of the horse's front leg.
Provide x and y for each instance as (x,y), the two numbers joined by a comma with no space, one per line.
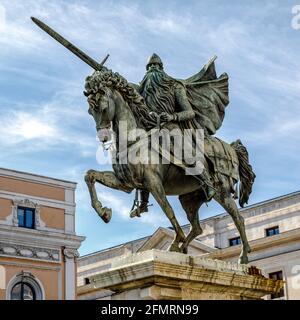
(108,179)
(155,186)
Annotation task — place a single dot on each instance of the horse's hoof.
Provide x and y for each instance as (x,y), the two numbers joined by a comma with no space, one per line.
(103,212)
(174,248)
(106,214)
(184,250)
(180,238)
(243,260)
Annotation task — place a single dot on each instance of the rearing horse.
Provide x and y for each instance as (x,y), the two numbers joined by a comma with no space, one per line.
(112,100)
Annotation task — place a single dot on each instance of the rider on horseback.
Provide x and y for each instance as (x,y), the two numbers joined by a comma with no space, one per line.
(168,100)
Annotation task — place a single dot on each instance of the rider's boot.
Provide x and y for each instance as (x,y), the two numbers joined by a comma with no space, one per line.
(142,207)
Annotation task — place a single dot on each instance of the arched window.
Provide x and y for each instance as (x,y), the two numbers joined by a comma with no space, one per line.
(23,291)
(24,287)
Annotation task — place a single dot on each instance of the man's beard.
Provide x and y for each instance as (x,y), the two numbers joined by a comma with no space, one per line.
(153,79)
(157,88)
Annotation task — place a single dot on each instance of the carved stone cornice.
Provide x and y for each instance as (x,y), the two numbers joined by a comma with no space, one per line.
(70,253)
(23,251)
(260,245)
(39,238)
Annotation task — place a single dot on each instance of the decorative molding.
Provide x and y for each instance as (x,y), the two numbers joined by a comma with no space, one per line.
(26,277)
(275,241)
(41,201)
(18,264)
(22,251)
(70,256)
(30,177)
(259,208)
(70,253)
(38,238)
(17,202)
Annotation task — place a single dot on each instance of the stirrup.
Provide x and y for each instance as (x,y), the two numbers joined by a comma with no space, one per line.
(136,212)
(137,205)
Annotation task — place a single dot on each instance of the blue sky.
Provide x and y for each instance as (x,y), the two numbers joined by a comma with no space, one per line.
(44,124)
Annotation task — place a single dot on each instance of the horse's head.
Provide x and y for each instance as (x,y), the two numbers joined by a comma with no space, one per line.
(101,106)
(112,98)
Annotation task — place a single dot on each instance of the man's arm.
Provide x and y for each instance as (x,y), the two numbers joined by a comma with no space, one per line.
(187,112)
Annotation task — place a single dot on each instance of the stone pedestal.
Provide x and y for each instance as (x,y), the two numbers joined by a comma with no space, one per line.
(162,275)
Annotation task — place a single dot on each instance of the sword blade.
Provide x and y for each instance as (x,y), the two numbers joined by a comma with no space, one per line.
(67,44)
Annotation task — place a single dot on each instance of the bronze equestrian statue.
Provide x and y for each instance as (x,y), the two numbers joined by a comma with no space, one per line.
(161,101)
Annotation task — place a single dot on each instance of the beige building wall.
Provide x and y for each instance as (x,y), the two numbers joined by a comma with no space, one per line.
(5,208)
(53,217)
(31,188)
(46,275)
(44,256)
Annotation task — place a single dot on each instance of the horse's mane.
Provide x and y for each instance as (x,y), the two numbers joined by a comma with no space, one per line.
(108,79)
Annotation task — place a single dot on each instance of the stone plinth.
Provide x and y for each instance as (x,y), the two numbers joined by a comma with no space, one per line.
(161,275)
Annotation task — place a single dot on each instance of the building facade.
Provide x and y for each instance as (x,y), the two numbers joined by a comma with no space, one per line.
(273,231)
(38,244)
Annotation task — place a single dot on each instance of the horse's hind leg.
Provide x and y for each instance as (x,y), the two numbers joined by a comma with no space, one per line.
(154,185)
(191,203)
(227,202)
(108,179)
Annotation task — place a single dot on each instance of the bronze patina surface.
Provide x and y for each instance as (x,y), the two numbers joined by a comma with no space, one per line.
(165,102)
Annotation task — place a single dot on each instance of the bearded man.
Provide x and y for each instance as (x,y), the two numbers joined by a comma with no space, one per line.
(166,97)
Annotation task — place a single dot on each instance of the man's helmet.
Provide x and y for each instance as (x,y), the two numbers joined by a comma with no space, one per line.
(154,59)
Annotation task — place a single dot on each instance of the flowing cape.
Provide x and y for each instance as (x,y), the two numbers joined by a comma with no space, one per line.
(208,96)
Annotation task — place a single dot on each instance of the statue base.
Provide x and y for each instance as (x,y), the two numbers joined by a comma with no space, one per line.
(159,275)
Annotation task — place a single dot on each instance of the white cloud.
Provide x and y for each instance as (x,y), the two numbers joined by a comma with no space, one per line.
(2,18)
(55,122)
(27,127)
(18,127)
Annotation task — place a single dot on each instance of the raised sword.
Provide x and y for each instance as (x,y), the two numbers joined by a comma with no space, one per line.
(67,44)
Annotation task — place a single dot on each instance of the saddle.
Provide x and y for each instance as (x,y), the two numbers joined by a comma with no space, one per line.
(222,156)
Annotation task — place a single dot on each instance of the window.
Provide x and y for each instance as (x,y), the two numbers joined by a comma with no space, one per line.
(277,276)
(24,286)
(26,217)
(22,291)
(272,231)
(234,241)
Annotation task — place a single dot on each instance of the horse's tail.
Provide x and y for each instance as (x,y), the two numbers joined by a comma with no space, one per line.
(247,176)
